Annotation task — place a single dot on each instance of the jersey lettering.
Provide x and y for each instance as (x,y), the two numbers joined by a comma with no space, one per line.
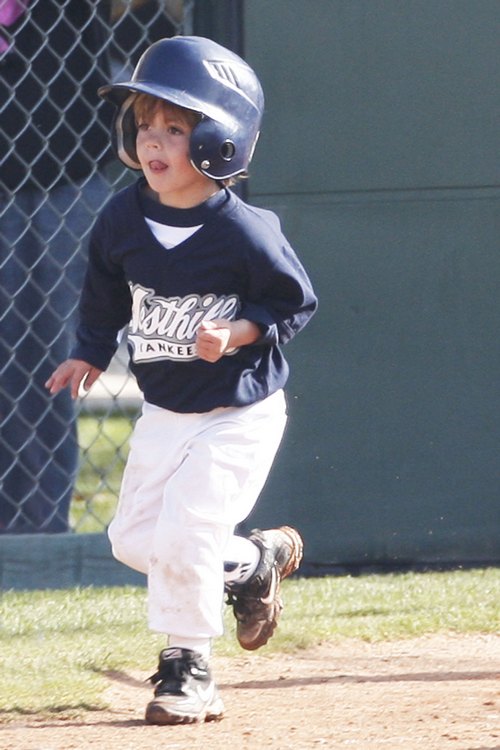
(165,328)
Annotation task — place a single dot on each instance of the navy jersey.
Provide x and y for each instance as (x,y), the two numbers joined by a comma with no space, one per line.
(237,265)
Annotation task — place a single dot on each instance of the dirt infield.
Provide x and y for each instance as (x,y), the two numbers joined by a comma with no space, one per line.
(433,693)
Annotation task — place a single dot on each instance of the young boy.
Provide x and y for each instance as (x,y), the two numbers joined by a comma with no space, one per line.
(209,287)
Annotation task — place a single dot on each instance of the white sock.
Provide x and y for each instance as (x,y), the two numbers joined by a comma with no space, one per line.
(202,646)
(241,559)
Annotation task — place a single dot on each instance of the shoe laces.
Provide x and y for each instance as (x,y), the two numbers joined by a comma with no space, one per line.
(172,670)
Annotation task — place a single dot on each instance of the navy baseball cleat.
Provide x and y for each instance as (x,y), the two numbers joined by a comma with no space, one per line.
(257,603)
(185,691)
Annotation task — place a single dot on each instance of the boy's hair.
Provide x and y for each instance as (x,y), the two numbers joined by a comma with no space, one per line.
(147,105)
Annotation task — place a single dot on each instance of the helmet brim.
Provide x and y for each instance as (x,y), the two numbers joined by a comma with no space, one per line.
(118,93)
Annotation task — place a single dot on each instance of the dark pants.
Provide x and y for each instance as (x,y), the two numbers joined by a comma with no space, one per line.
(43,249)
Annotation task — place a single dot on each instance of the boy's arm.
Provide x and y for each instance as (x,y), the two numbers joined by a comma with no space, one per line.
(283,302)
(280,298)
(105,302)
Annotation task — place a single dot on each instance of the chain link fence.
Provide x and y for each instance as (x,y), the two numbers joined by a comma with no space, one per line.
(60,461)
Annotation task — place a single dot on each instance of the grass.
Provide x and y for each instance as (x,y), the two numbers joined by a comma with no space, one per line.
(55,645)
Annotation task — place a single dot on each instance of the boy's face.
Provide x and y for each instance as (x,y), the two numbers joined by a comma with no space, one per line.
(163,151)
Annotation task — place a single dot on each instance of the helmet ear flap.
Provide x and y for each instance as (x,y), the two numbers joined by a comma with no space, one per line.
(124,134)
(220,151)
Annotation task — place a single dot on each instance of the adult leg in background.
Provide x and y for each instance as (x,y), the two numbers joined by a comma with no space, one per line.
(43,250)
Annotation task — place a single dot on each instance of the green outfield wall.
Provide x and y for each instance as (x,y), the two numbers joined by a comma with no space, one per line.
(380,153)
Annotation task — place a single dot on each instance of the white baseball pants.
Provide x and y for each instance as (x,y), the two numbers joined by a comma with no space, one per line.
(189,479)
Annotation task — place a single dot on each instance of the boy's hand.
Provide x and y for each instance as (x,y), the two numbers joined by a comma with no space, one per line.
(212,339)
(71,373)
(218,337)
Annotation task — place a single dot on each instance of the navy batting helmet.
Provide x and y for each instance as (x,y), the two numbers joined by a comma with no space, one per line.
(200,75)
